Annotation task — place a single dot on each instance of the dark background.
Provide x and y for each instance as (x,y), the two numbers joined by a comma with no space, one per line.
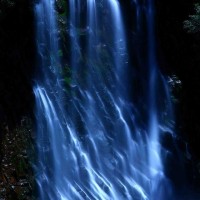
(17,48)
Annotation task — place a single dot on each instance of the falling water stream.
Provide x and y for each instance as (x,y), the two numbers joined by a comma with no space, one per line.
(90,144)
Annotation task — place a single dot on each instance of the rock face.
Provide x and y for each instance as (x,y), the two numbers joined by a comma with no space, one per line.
(16,176)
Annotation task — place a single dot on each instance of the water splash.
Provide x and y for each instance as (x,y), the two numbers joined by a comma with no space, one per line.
(91,145)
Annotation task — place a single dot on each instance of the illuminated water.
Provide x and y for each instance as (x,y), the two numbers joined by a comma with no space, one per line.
(93,142)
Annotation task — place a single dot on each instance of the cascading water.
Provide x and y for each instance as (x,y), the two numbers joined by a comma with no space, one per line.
(90,145)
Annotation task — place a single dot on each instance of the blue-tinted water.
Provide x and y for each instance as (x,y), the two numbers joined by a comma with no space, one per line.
(89,142)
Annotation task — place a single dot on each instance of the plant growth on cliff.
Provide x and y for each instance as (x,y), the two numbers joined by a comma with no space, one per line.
(192,25)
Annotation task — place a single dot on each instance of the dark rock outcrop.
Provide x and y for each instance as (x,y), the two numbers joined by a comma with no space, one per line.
(179,55)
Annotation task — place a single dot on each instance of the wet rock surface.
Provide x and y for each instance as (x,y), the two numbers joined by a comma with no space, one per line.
(16,175)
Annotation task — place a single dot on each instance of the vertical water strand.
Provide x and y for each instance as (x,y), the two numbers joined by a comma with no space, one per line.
(119,40)
(138,15)
(160,188)
(117,92)
(118,33)
(91,56)
(76,165)
(96,158)
(83,102)
(49,113)
(125,149)
(154,149)
(120,62)
(94,127)
(92,78)
(75,49)
(92,28)
(42,103)
(128,149)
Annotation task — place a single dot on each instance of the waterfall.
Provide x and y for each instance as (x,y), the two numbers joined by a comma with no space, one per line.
(90,141)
